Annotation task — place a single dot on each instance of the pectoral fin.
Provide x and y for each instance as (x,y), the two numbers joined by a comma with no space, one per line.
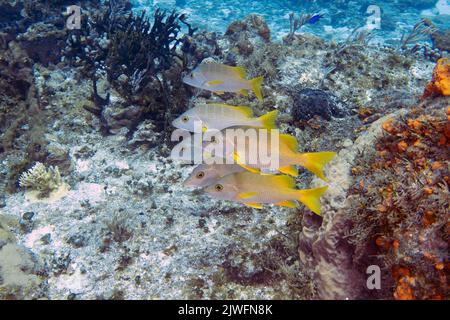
(246,195)
(288,203)
(254,205)
(215,82)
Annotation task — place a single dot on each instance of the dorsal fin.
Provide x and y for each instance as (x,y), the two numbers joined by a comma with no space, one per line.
(241,72)
(284,181)
(290,141)
(290,170)
(247,111)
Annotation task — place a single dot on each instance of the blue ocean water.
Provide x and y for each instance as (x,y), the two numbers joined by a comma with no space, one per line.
(340,17)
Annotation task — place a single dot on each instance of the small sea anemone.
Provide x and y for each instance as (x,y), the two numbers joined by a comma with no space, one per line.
(42,180)
(440,83)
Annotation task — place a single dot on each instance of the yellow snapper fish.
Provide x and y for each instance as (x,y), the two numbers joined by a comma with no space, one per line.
(219,116)
(204,175)
(254,190)
(221,78)
(234,152)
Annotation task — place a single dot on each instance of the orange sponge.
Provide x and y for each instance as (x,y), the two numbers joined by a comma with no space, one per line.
(440,83)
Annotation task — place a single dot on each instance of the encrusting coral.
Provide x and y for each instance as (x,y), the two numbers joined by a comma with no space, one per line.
(401,196)
(403,204)
(440,83)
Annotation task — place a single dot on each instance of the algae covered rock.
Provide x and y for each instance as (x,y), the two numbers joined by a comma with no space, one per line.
(387,207)
(21,275)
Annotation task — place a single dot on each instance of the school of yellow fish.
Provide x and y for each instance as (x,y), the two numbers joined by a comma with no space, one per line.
(251,184)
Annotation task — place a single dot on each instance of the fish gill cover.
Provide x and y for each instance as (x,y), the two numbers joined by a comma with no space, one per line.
(93,206)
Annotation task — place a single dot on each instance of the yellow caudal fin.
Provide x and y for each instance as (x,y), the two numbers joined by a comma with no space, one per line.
(315,161)
(269,120)
(256,87)
(311,198)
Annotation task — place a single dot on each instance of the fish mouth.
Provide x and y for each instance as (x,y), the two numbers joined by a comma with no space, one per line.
(188,183)
(195,188)
(198,191)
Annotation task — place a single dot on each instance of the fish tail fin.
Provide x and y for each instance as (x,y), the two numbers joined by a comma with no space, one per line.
(256,87)
(315,161)
(269,119)
(311,198)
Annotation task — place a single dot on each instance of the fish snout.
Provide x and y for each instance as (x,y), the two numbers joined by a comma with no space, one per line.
(189,182)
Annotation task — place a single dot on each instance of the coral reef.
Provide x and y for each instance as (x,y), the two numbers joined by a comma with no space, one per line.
(127,228)
(441,40)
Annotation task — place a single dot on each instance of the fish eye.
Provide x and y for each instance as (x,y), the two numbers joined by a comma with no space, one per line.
(214,140)
(218,187)
(185,119)
(192,75)
(200,175)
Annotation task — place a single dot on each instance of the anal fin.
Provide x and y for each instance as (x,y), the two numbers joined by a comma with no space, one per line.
(254,205)
(290,170)
(287,203)
(243,92)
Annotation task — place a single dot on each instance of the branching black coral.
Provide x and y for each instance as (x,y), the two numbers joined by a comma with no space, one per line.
(142,49)
(138,54)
